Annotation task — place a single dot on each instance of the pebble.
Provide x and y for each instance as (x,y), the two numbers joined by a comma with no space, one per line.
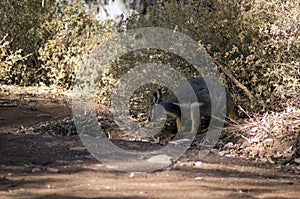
(131,175)
(183,164)
(230,155)
(53,170)
(229,145)
(77,148)
(161,159)
(34,170)
(297,160)
(198,163)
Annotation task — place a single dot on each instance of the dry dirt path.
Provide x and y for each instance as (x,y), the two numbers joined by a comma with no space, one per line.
(52,166)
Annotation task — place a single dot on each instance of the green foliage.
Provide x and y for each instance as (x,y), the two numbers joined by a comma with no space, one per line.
(7,60)
(21,21)
(52,39)
(130,60)
(256,40)
(73,33)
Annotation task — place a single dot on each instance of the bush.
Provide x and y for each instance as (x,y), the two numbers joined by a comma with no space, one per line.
(21,21)
(257,41)
(8,59)
(53,37)
(73,33)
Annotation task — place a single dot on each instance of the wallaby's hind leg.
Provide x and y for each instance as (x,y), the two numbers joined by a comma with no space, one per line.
(178,124)
(195,116)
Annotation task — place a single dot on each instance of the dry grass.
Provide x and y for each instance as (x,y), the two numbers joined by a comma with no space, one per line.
(272,137)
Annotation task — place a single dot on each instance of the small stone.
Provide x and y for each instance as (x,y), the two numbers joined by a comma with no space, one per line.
(183,164)
(288,182)
(228,145)
(161,159)
(297,160)
(53,170)
(30,133)
(131,175)
(198,178)
(198,163)
(230,155)
(271,161)
(77,148)
(35,170)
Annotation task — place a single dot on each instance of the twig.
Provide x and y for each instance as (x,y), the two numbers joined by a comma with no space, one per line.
(67,106)
(239,84)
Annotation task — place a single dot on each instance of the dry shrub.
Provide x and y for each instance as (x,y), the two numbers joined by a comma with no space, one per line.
(273,62)
(53,36)
(258,41)
(272,137)
(74,32)
(21,22)
(8,59)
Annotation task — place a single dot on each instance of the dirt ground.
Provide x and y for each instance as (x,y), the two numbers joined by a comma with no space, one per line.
(39,165)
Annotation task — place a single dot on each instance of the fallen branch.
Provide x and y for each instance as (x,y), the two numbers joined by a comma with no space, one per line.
(239,84)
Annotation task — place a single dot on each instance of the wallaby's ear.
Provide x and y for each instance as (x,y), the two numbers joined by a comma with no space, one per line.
(157,96)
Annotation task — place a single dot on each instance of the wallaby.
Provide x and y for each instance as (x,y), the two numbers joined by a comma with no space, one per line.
(173,109)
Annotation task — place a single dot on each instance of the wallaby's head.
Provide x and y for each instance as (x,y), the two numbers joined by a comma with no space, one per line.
(162,107)
(155,109)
